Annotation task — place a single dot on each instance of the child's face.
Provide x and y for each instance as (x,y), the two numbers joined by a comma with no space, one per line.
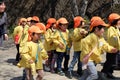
(63,26)
(36,36)
(118,24)
(54,26)
(2,7)
(100,32)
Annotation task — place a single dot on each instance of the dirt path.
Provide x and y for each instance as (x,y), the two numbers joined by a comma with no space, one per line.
(8,71)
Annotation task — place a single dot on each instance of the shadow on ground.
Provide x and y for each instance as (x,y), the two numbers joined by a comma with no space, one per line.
(11,61)
(17,78)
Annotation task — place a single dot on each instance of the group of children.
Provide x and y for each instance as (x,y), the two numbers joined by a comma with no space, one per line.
(36,42)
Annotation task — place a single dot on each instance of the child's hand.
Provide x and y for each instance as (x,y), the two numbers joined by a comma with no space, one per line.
(6,36)
(85,59)
(114,50)
(31,61)
(61,46)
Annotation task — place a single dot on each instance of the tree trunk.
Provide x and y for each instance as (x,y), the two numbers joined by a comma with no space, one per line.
(84,8)
(74,8)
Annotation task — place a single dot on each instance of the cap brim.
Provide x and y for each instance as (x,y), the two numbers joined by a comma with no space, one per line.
(47,26)
(40,31)
(106,25)
(64,22)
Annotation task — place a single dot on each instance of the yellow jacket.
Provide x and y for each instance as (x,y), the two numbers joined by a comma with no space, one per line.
(17,31)
(76,38)
(24,36)
(48,44)
(57,39)
(113,36)
(29,52)
(88,43)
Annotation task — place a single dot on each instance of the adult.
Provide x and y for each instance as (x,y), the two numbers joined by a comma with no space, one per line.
(3,23)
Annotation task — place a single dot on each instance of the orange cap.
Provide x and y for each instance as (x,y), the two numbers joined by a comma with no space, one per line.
(34,29)
(36,18)
(41,26)
(29,18)
(62,21)
(95,18)
(77,21)
(97,23)
(113,16)
(50,21)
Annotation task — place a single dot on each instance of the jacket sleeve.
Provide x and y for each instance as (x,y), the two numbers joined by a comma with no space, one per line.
(76,35)
(84,48)
(106,47)
(56,38)
(47,36)
(113,37)
(15,32)
(43,52)
(24,52)
(6,24)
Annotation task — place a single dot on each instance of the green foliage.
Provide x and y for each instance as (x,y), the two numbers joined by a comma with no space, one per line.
(11,29)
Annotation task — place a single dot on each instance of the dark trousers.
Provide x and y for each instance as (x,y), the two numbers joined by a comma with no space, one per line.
(60,59)
(51,59)
(18,54)
(110,61)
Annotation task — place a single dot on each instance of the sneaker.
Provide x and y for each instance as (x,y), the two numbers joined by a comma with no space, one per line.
(102,76)
(46,68)
(109,75)
(52,71)
(61,73)
(69,74)
(79,73)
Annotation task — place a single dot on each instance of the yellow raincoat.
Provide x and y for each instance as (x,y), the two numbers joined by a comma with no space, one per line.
(32,51)
(57,39)
(48,44)
(76,38)
(88,43)
(113,36)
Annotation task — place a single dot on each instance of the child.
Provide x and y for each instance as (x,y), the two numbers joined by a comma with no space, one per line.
(33,54)
(61,40)
(91,48)
(78,33)
(113,38)
(49,45)
(29,21)
(17,35)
